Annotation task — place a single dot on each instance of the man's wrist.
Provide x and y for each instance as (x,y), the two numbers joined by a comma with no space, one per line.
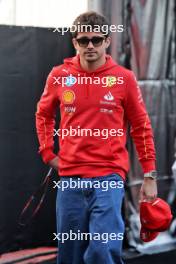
(151,175)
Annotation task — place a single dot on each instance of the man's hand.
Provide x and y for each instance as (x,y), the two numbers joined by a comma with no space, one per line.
(148,190)
(54,163)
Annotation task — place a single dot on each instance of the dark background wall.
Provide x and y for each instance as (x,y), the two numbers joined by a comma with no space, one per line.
(26,57)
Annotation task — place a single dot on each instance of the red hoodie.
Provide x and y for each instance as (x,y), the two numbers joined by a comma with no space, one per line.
(95,105)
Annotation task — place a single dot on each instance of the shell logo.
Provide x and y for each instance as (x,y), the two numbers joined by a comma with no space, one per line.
(68,97)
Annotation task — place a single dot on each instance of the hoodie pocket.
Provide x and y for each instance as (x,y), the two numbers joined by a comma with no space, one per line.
(86,149)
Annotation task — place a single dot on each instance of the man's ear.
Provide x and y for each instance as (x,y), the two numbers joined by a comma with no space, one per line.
(107,42)
(75,43)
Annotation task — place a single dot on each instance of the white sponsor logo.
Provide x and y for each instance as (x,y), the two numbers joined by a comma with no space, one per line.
(105,110)
(109,97)
(70,109)
(64,70)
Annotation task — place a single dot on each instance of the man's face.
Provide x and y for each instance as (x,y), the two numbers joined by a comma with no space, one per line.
(89,51)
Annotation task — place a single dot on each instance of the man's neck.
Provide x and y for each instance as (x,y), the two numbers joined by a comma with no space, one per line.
(92,66)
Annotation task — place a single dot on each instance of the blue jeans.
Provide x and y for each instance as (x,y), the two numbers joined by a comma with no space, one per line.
(89,221)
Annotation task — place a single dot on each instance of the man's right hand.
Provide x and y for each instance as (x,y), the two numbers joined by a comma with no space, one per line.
(54,163)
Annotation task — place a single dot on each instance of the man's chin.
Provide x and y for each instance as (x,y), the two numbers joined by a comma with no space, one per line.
(91,58)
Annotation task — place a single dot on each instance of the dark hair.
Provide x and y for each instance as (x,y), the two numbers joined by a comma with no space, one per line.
(92,22)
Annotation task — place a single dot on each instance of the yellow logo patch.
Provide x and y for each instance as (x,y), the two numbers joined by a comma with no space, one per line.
(68,97)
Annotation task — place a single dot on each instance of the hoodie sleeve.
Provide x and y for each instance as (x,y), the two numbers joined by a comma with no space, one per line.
(141,130)
(45,119)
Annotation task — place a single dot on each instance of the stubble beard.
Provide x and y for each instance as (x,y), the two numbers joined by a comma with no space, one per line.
(90,58)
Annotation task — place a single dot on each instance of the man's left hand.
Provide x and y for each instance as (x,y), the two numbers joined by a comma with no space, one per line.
(148,190)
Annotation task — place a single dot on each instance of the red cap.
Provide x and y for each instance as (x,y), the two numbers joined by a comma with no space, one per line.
(155,217)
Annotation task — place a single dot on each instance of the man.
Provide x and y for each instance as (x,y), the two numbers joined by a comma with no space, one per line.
(104,104)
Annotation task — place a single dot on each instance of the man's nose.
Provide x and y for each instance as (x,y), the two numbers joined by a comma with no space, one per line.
(90,45)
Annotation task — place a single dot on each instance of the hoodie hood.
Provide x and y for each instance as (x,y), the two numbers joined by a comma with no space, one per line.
(74,63)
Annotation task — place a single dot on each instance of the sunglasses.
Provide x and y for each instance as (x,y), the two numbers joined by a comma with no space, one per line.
(84,41)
